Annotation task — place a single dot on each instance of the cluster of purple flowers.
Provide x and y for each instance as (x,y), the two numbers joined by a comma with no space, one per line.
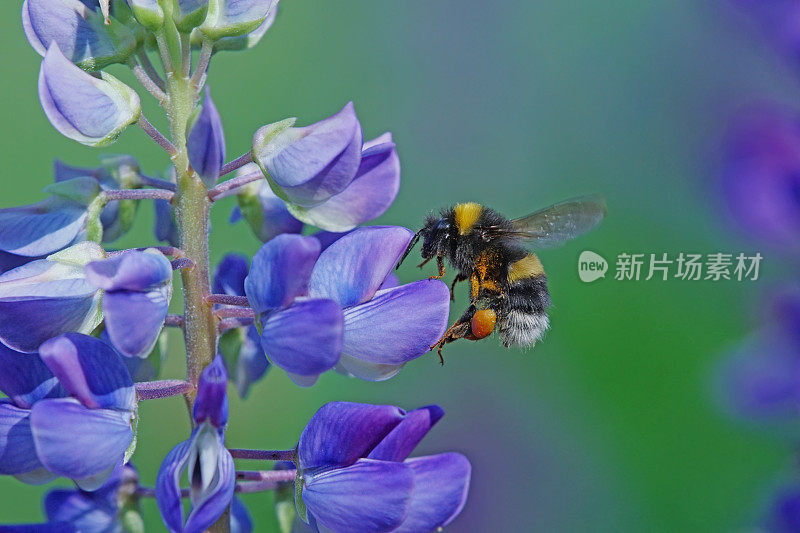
(82,326)
(759,380)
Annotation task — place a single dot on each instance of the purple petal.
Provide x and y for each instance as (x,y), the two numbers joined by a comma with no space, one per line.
(312,164)
(405,436)
(326,238)
(761,378)
(784,308)
(212,472)
(369,496)
(76,442)
(340,433)
(58,527)
(134,319)
(280,271)
(165,230)
(89,370)
(390,282)
(352,269)
(304,339)
(350,366)
(265,213)
(131,270)
(369,195)
(441,485)
(143,368)
(17,454)
(206,143)
(78,30)
(11,261)
(45,288)
(778,19)
(230,274)
(65,172)
(303,381)
(168,485)
(398,324)
(240,517)
(761,178)
(251,362)
(784,510)
(84,511)
(41,228)
(25,379)
(216,483)
(86,109)
(212,400)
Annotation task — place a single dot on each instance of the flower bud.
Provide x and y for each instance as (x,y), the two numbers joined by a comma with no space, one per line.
(368,196)
(211,403)
(306,166)
(80,32)
(231,18)
(248,40)
(148,13)
(86,109)
(189,14)
(206,142)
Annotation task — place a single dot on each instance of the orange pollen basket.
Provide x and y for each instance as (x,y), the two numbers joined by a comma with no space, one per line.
(482,323)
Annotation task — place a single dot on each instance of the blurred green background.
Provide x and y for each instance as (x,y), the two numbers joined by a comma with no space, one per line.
(608,425)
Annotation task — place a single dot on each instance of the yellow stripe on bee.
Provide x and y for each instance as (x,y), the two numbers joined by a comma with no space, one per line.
(527,267)
(466,216)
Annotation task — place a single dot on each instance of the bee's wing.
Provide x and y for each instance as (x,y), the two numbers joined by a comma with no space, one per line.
(554,225)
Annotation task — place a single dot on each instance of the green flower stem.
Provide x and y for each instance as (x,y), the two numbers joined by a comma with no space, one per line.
(206,51)
(191,207)
(263,455)
(147,82)
(150,70)
(156,135)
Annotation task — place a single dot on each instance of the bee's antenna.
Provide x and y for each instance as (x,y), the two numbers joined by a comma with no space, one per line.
(408,249)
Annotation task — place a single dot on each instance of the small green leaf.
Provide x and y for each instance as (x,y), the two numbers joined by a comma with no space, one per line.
(230,344)
(82,189)
(299,504)
(135,426)
(250,207)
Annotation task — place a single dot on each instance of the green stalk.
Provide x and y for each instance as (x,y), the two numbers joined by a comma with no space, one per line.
(192,210)
(192,206)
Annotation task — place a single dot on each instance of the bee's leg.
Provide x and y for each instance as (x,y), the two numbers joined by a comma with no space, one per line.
(424,263)
(461,329)
(459,277)
(440,266)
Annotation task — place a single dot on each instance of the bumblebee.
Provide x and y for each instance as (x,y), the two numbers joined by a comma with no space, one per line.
(508,286)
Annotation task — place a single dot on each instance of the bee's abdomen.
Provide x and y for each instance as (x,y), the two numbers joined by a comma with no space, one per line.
(523,320)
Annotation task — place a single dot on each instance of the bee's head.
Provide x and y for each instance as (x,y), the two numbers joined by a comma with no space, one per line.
(435,236)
